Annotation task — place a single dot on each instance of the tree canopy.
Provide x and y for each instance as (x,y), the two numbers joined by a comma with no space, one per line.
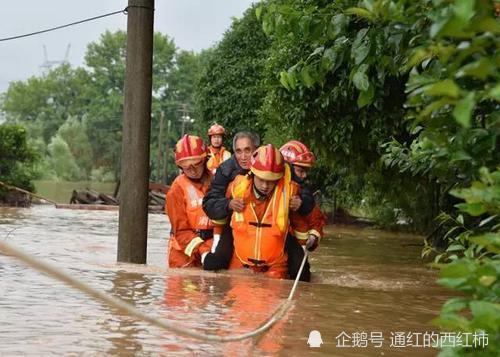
(230,90)
(81,109)
(17,158)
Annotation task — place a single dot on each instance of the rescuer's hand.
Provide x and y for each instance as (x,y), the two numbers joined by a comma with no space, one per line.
(295,203)
(201,249)
(312,242)
(237,205)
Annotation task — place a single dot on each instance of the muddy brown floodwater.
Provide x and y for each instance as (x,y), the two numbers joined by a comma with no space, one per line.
(369,288)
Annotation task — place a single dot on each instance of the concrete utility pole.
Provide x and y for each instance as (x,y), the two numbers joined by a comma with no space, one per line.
(133,220)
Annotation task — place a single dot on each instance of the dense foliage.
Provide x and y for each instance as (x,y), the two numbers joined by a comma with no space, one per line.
(454,104)
(335,79)
(230,90)
(17,158)
(471,264)
(442,58)
(73,116)
(175,101)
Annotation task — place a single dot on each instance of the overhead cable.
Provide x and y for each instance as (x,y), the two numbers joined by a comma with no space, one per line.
(124,11)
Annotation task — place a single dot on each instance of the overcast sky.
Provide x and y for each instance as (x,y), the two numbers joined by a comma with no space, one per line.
(193,24)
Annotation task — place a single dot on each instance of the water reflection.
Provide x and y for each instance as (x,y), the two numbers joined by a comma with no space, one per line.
(190,300)
(249,304)
(225,305)
(124,331)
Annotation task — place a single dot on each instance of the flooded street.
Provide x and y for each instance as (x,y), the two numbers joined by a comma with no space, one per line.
(365,281)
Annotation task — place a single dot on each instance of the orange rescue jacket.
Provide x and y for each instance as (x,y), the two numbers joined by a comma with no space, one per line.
(187,218)
(217,158)
(303,226)
(261,242)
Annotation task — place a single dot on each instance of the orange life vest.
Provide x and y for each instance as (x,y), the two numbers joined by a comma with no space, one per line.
(217,158)
(193,198)
(197,219)
(261,242)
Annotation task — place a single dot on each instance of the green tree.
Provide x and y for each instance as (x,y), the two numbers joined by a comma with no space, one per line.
(94,95)
(472,266)
(62,160)
(179,93)
(335,76)
(182,81)
(230,90)
(106,62)
(74,133)
(454,102)
(43,103)
(43,166)
(17,158)
(454,96)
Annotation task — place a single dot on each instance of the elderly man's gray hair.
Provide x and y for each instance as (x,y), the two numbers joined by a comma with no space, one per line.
(254,138)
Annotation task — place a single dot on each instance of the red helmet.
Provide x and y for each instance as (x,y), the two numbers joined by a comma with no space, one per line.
(267,163)
(189,147)
(216,129)
(298,154)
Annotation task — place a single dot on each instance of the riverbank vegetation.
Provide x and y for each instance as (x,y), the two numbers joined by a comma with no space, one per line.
(17,164)
(407,96)
(73,115)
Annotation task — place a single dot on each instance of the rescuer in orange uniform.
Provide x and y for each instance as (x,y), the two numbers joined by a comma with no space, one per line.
(192,230)
(261,228)
(217,153)
(307,229)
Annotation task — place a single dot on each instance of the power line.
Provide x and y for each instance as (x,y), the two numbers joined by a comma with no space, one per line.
(124,11)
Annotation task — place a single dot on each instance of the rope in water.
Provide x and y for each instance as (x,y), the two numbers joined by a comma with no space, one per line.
(132,311)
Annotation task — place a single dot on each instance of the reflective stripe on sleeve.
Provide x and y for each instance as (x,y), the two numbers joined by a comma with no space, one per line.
(315,232)
(219,222)
(300,235)
(190,247)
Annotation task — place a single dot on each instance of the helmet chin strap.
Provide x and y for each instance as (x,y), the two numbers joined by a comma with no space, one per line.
(258,194)
(294,175)
(197,179)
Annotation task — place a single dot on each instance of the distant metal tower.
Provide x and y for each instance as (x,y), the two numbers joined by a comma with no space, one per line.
(47,65)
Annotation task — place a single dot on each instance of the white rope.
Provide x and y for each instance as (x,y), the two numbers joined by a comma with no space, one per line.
(294,287)
(131,310)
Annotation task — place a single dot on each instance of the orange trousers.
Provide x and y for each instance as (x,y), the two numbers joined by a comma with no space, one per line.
(177,258)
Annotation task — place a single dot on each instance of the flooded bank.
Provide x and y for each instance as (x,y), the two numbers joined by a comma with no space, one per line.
(369,286)
(61,191)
